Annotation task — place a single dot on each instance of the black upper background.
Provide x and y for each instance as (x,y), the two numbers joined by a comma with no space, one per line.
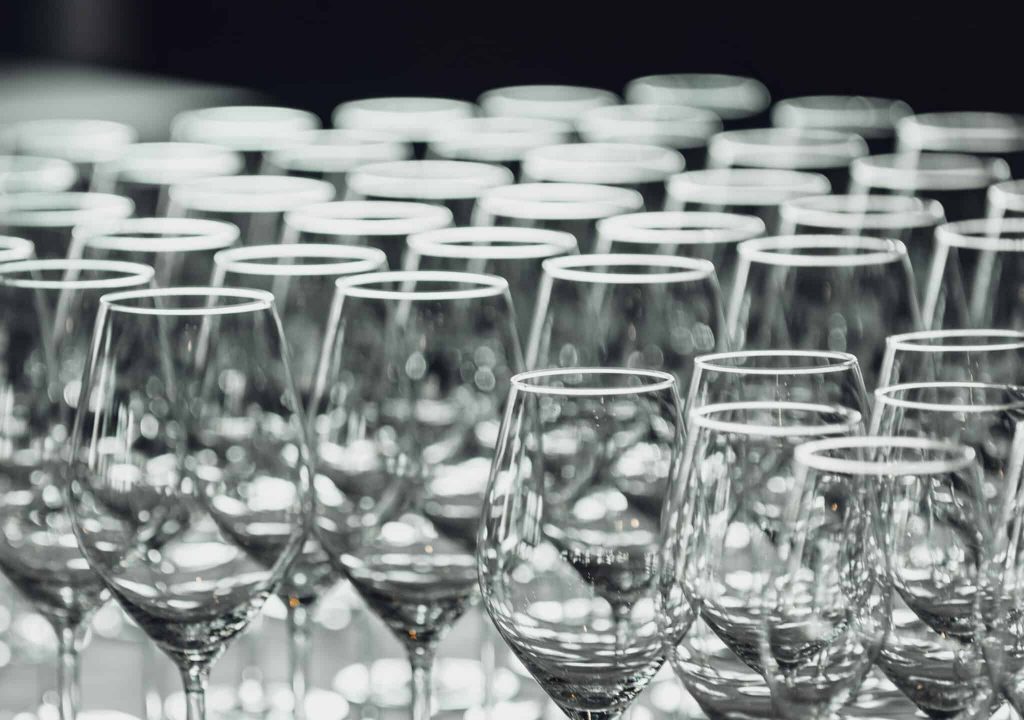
(314,53)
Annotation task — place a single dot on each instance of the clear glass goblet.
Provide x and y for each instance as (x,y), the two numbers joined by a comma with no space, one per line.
(498,140)
(548,102)
(48,219)
(989,134)
(84,143)
(24,173)
(412,120)
(985,355)
(872,118)
(739,101)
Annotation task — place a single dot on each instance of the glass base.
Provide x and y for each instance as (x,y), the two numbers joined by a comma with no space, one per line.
(222,703)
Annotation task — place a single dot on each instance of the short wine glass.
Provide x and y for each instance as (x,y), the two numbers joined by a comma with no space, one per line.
(25,173)
(48,219)
(739,101)
(499,140)
(872,118)
(985,355)
(988,134)
(83,142)
(685,129)
(411,120)
(549,102)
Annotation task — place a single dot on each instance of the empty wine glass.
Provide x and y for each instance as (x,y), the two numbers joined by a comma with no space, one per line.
(255,203)
(251,130)
(1005,199)
(453,183)
(180,250)
(374,223)
(47,219)
(737,100)
(641,167)
(828,292)
(49,310)
(976,277)
(994,356)
(570,565)
(572,207)
(681,128)
(500,140)
(84,143)
(189,474)
(145,171)
(24,173)
(872,118)
(726,510)
(548,102)
(411,120)
(978,133)
(515,254)
(13,248)
(416,366)
(744,191)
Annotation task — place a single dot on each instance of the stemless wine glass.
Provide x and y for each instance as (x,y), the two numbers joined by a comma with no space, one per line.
(872,118)
(726,508)
(681,128)
(979,133)
(455,184)
(374,223)
(570,565)
(500,140)
(85,143)
(24,173)
(1005,199)
(986,355)
(548,102)
(737,100)
(181,250)
(47,219)
(411,120)
(49,309)
(744,191)
(572,207)
(255,203)
(826,292)
(189,473)
(415,368)
(145,171)
(976,276)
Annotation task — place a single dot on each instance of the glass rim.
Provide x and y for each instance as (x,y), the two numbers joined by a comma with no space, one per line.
(523,381)
(131,274)
(496,139)
(253,300)
(575,268)
(181,235)
(246,128)
(249,193)
(559,201)
(362,217)
(921,213)
(808,455)
(773,250)
(610,163)
(13,249)
(876,115)
(58,174)
(30,209)
(700,418)
(844,361)
(1007,195)
(745,186)
(908,341)
(360,147)
(347,259)
(982,234)
(487,285)
(410,117)
(975,131)
(164,163)
(732,96)
(455,179)
(549,101)
(511,243)
(885,396)
(77,140)
(974,172)
(731,228)
(783,147)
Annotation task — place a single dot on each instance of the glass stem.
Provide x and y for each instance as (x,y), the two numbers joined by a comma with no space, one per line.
(194,677)
(488,663)
(68,638)
(421,658)
(300,618)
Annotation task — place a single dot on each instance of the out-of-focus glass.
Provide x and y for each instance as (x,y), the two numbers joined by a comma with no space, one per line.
(737,100)
(993,356)
(872,118)
(572,207)
(1006,199)
(84,143)
(411,120)
(681,128)
(26,173)
(47,219)
(549,102)
(500,140)
(978,133)
(13,248)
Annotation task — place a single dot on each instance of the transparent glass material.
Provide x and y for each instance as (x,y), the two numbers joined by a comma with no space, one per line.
(24,173)
(251,130)
(872,118)
(678,127)
(454,184)
(181,250)
(958,182)
(977,275)
(416,368)
(569,558)
(189,482)
(626,311)
(13,248)
(84,143)
(706,235)
(48,219)
(828,292)
(910,220)
(992,356)
(255,203)
(145,171)
(828,152)
(744,191)
(408,119)
(548,102)
(500,140)
(978,133)
(726,507)
(515,254)
(737,100)
(332,154)
(49,310)
(641,167)
(1005,199)
(571,207)
(371,223)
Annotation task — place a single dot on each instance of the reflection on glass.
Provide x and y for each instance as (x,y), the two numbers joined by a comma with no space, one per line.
(48,219)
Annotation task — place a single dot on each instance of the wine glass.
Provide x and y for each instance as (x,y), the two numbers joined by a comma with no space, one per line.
(681,128)
(181,250)
(828,292)
(547,102)
(572,207)
(374,223)
(251,130)
(47,219)
(570,566)
(189,480)
(49,309)
(415,369)
(707,235)
(985,355)
(84,143)
(641,167)
(726,508)
(498,140)
(979,133)
(744,191)
(513,253)
(1005,199)
(455,184)
(255,203)
(145,171)
(412,120)
(13,248)
(737,100)
(976,275)
(24,173)
(872,118)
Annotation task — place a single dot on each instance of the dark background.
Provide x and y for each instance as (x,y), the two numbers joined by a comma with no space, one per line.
(314,53)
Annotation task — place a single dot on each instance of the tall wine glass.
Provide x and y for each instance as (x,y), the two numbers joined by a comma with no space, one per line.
(872,118)
(737,100)
(572,207)
(979,133)
(681,128)
(411,120)
(570,566)
(47,219)
(82,142)
(189,474)
(416,366)
(549,102)
(1005,199)
(49,310)
(993,356)
(499,140)
(24,173)
(828,292)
